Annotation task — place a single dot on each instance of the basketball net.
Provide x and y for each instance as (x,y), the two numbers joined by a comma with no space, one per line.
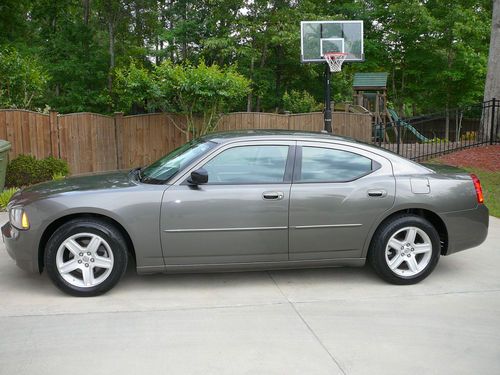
(335,60)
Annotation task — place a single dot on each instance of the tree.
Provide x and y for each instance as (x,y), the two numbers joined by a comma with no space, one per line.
(435,50)
(22,80)
(136,90)
(492,86)
(200,90)
(193,90)
(112,13)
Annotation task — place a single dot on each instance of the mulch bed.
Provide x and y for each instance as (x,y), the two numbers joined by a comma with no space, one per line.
(486,158)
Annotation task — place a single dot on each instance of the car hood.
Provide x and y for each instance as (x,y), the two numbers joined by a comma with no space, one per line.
(78,184)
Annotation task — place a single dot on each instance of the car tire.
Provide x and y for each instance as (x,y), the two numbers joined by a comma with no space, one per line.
(86,257)
(405,249)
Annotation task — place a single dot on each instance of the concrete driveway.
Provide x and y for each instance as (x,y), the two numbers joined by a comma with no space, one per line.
(330,321)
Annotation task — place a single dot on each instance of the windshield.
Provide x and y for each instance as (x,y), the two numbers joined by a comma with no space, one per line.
(162,170)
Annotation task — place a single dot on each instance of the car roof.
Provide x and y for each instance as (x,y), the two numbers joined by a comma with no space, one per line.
(224,137)
(400,165)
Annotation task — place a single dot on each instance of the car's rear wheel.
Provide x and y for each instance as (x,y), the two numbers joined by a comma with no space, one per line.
(86,257)
(405,249)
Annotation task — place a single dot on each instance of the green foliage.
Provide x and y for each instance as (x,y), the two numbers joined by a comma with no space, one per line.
(300,102)
(201,89)
(437,140)
(469,136)
(435,51)
(58,176)
(135,88)
(26,170)
(186,88)
(5,197)
(22,80)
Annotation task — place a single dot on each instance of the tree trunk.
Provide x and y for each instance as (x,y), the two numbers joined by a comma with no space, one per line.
(278,75)
(263,58)
(401,104)
(111,54)
(250,97)
(86,12)
(492,86)
(447,123)
(394,90)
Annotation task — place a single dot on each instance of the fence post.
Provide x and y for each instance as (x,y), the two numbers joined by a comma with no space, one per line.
(55,148)
(492,130)
(118,116)
(398,136)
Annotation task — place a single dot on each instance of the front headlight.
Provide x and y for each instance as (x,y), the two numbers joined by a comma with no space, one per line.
(18,218)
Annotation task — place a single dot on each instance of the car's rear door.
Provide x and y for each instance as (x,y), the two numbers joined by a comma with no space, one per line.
(239,216)
(337,193)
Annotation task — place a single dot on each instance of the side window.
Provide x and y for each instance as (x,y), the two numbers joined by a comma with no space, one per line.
(328,165)
(248,164)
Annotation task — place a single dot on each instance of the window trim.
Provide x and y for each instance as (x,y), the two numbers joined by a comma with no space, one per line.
(298,169)
(287,176)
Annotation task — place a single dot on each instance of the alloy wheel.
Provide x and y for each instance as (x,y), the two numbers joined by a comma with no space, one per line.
(84,260)
(408,251)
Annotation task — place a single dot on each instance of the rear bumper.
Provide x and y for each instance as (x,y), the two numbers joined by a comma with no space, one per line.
(466,229)
(21,247)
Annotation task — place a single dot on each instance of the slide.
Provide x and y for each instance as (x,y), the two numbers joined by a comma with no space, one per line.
(396,119)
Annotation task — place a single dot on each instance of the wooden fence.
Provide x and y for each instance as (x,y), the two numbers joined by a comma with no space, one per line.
(90,142)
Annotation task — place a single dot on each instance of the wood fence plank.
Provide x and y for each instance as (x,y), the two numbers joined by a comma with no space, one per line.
(3,126)
(32,131)
(18,129)
(39,131)
(54,134)
(45,125)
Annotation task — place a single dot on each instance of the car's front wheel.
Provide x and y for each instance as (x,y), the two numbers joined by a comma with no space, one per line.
(405,249)
(86,257)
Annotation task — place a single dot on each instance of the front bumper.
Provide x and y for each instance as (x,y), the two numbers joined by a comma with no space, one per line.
(21,247)
(466,229)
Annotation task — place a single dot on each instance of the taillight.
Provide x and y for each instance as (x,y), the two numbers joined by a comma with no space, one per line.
(479,190)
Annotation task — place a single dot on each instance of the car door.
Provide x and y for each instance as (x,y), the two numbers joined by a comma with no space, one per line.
(337,193)
(239,216)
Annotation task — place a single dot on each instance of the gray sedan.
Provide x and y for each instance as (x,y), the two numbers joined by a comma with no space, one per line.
(247,201)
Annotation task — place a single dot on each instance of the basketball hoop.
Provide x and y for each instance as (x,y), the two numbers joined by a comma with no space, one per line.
(335,60)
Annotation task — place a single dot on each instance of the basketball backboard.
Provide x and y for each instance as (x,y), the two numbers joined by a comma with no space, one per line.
(320,37)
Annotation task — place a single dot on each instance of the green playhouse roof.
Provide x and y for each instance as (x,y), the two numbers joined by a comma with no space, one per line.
(370,80)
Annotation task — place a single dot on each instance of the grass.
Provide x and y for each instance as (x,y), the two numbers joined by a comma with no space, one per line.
(490,181)
(5,197)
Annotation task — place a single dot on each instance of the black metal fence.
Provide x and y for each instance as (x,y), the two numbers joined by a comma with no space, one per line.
(423,137)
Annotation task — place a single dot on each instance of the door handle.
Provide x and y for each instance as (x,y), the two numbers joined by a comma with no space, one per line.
(275,195)
(377,193)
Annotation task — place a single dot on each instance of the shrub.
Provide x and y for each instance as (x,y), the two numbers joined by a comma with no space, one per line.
(300,102)
(52,166)
(437,140)
(27,170)
(5,197)
(58,176)
(469,136)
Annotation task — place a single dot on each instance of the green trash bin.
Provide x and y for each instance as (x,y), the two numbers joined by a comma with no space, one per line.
(4,158)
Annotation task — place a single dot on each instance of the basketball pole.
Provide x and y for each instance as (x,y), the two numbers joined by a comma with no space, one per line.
(328,105)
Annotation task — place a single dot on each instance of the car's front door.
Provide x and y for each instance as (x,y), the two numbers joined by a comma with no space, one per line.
(239,216)
(337,193)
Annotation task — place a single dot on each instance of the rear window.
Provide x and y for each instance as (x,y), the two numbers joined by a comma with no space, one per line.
(330,165)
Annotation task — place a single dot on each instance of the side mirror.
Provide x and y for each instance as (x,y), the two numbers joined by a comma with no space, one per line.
(198,177)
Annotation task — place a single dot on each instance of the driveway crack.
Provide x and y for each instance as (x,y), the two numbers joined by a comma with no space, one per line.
(307,325)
